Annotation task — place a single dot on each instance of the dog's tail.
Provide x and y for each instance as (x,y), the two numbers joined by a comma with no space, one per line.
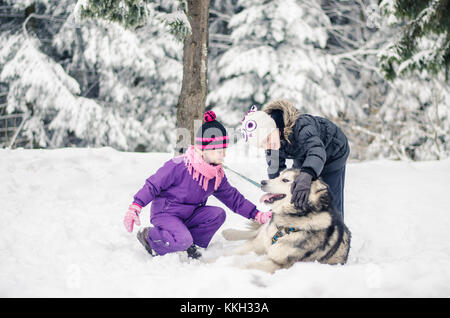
(239,235)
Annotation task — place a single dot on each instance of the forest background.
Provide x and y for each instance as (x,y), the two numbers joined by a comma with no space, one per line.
(66,81)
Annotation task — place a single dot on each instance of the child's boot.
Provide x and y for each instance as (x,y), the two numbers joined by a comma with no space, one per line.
(192,252)
(142,237)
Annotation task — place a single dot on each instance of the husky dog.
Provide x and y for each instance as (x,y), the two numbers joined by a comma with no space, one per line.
(316,233)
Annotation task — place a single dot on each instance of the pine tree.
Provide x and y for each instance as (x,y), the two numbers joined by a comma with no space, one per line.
(91,83)
(134,13)
(94,83)
(424,43)
(277,52)
(405,118)
(129,13)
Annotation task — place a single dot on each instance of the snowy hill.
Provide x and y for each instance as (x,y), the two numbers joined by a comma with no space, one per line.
(61,232)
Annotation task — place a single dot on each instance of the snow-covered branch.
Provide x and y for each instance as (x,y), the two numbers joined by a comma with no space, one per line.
(222,16)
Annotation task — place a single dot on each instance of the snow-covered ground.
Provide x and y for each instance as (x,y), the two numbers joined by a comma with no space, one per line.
(61,232)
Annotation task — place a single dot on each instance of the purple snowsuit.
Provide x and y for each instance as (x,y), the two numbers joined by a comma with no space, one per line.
(178,211)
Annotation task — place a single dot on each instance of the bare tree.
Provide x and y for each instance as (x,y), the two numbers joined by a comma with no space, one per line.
(192,99)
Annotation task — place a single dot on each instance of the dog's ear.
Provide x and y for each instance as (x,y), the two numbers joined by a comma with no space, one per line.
(326,200)
(322,196)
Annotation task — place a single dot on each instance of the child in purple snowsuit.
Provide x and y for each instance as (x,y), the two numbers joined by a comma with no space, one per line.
(179,190)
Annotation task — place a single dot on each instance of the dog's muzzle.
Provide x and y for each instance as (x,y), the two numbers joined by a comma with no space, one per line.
(270,198)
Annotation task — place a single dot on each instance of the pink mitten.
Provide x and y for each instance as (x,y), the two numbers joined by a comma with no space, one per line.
(263,217)
(132,216)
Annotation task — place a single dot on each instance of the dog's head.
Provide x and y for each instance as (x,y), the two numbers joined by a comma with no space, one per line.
(279,193)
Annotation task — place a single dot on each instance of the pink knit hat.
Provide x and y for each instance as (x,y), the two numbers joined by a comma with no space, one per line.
(212,134)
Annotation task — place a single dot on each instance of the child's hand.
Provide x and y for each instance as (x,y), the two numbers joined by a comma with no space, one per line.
(263,217)
(132,216)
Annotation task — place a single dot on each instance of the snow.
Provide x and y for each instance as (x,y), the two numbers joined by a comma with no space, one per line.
(61,232)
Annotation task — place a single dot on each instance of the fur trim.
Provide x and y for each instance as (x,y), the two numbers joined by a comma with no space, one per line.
(290,114)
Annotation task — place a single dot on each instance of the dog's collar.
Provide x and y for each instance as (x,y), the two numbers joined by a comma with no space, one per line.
(282,230)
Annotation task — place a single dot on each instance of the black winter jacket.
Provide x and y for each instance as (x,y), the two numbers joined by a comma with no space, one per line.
(316,146)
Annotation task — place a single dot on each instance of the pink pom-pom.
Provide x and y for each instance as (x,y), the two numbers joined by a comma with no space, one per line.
(209,116)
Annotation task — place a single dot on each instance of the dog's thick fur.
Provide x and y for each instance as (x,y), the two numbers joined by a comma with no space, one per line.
(320,232)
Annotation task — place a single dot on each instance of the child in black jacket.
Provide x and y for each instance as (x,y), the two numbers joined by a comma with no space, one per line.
(317,146)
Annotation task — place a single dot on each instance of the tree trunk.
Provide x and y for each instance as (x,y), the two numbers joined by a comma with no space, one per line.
(192,99)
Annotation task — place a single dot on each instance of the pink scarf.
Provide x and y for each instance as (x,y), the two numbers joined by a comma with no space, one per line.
(201,170)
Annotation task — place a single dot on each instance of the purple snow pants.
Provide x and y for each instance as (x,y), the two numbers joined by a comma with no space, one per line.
(172,234)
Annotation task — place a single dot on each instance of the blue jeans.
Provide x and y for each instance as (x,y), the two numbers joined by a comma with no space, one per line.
(336,180)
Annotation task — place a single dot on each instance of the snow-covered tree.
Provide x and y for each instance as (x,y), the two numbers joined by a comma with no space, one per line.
(98,86)
(94,83)
(132,13)
(416,117)
(355,36)
(139,74)
(424,43)
(277,51)
(381,118)
(402,119)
